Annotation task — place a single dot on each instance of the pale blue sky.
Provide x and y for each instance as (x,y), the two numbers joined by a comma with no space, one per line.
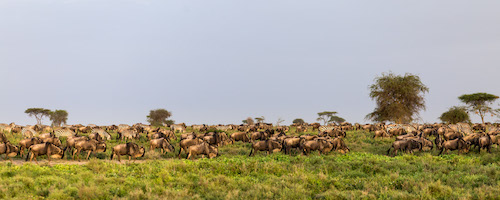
(110,62)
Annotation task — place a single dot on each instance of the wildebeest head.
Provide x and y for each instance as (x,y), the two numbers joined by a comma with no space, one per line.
(168,146)
(56,152)
(101,147)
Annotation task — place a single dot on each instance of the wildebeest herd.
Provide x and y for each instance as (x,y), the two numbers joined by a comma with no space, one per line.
(205,140)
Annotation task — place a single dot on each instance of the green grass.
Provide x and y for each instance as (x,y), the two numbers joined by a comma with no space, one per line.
(364,173)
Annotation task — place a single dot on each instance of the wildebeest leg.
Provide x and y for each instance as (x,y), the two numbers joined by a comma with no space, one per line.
(250,152)
(442,149)
(74,152)
(129,158)
(179,155)
(88,155)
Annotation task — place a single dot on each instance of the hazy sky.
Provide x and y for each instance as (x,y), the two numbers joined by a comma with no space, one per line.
(210,61)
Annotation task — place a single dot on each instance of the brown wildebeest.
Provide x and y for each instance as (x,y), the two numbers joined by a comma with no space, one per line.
(201,149)
(267,145)
(162,144)
(457,144)
(46,135)
(26,143)
(213,139)
(404,145)
(339,145)
(451,135)
(128,134)
(95,136)
(188,136)
(313,145)
(258,136)
(240,136)
(130,149)
(52,151)
(186,143)
(3,138)
(308,137)
(485,142)
(289,143)
(9,150)
(381,133)
(70,142)
(88,145)
(52,140)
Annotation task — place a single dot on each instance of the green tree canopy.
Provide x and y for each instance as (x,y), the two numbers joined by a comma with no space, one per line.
(260,119)
(58,117)
(398,98)
(329,117)
(38,113)
(298,121)
(159,117)
(248,121)
(455,115)
(337,119)
(479,103)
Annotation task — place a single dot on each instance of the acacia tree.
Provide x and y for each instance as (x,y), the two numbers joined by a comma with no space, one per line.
(248,121)
(455,115)
(260,119)
(329,117)
(38,113)
(398,98)
(58,117)
(159,117)
(479,103)
(279,121)
(298,121)
(337,119)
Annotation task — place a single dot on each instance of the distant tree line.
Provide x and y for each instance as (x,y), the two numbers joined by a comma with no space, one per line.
(58,117)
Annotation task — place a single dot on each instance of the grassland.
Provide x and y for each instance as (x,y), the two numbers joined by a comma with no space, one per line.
(364,173)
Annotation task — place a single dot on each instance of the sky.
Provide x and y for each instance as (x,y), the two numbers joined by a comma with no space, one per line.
(218,62)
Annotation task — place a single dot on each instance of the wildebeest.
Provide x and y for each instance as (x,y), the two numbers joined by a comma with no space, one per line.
(267,145)
(213,138)
(240,136)
(201,149)
(131,149)
(339,145)
(9,150)
(186,143)
(88,145)
(26,143)
(178,127)
(404,145)
(128,134)
(191,135)
(49,149)
(451,135)
(3,138)
(290,143)
(95,136)
(485,142)
(258,136)
(162,144)
(313,145)
(52,140)
(457,144)
(70,142)
(381,133)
